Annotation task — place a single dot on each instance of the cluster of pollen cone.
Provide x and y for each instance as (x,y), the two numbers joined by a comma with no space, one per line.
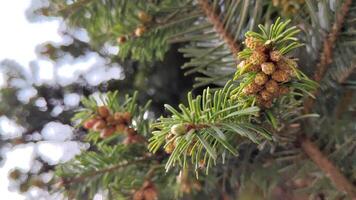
(108,123)
(272,70)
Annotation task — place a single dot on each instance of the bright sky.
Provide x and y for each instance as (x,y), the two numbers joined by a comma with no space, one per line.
(18,41)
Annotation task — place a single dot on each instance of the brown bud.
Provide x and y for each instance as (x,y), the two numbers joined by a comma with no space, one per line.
(257,58)
(275,55)
(268,67)
(266,95)
(261,79)
(272,86)
(120,128)
(121,39)
(144,17)
(140,31)
(133,138)
(130,131)
(283,90)
(88,124)
(150,193)
(169,148)
(103,111)
(119,118)
(99,125)
(107,132)
(126,117)
(280,76)
(251,88)
(110,120)
(138,195)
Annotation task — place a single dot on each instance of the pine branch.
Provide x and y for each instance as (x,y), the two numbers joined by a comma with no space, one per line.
(340,181)
(326,56)
(66,182)
(214,18)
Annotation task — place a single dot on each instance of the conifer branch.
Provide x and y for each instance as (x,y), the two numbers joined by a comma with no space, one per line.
(326,56)
(66,182)
(331,171)
(214,18)
(313,152)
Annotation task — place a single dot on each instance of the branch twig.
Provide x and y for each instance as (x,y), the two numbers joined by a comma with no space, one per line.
(66,182)
(313,152)
(326,56)
(340,181)
(214,18)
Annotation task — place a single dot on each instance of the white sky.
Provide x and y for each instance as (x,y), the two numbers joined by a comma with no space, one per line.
(18,39)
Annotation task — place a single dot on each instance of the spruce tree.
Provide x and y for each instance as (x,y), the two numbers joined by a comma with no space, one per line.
(270,114)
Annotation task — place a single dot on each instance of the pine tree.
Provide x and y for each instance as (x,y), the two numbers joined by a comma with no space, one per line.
(274,118)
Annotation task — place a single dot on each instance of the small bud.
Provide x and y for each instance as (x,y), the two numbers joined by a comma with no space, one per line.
(169,148)
(268,67)
(144,17)
(275,56)
(99,125)
(266,95)
(121,39)
(126,117)
(103,111)
(140,31)
(280,76)
(107,132)
(88,124)
(110,120)
(272,86)
(120,128)
(119,118)
(178,129)
(261,79)
(283,90)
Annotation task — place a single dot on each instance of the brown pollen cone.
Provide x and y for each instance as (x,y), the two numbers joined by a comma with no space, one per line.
(261,79)
(272,86)
(268,67)
(280,76)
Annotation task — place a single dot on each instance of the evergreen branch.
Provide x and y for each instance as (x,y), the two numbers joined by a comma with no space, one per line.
(340,181)
(326,56)
(214,18)
(65,181)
